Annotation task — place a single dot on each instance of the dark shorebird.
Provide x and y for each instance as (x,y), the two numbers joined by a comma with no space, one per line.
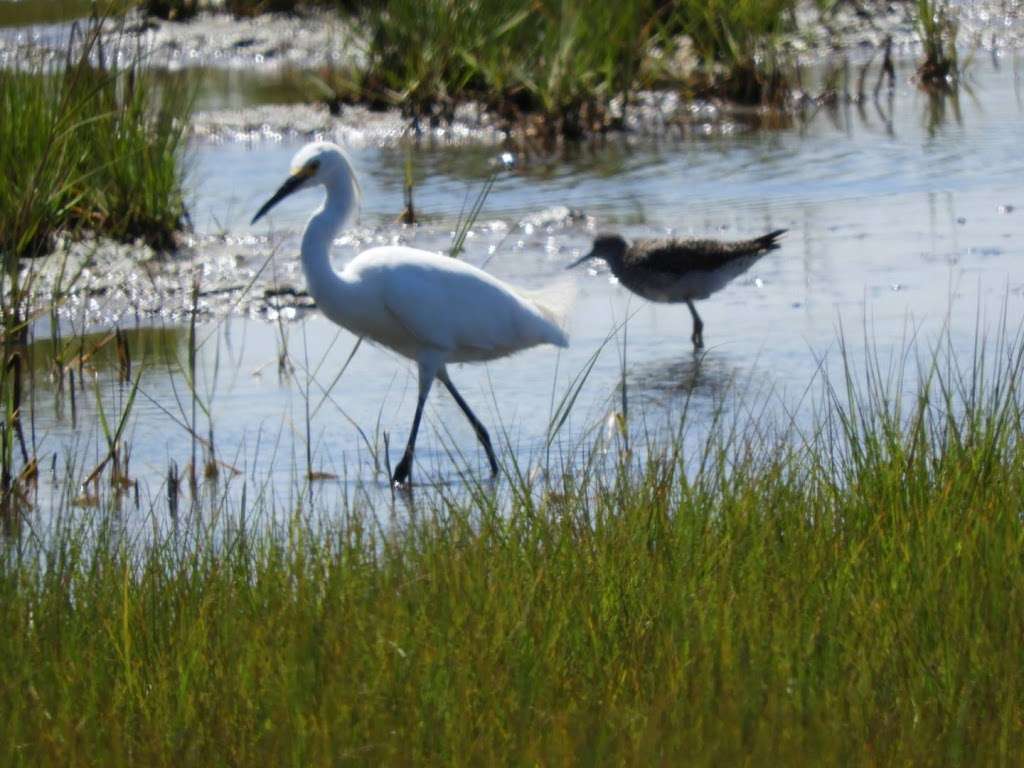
(673,270)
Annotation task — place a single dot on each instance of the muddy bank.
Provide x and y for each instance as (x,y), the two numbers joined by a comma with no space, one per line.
(355,126)
(649,114)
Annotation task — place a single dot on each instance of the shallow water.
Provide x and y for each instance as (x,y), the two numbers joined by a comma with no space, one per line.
(904,218)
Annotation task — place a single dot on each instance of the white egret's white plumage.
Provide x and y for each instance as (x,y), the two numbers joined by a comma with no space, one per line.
(431,309)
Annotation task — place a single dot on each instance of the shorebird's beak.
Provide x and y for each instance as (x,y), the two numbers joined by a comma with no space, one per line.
(294,182)
(581,259)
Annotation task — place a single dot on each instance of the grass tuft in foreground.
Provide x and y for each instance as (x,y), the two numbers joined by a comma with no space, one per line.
(845,589)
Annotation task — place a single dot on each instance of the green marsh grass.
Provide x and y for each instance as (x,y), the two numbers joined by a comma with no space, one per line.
(845,588)
(561,62)
(93,146)
(737,44)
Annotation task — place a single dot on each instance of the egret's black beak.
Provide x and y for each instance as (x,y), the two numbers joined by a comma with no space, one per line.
(581,259)
(293,183)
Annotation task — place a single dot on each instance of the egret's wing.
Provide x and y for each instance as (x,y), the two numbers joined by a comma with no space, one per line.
(438,308)
(448,307)
(411,318)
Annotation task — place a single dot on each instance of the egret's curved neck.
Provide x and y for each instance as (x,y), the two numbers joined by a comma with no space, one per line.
(325,285)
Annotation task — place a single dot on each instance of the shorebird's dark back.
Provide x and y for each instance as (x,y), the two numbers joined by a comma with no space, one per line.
(679,256)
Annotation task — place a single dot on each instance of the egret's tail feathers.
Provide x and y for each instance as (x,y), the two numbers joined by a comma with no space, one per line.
(554,302)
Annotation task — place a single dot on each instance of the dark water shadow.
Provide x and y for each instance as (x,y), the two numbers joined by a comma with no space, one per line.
(685,377)
(108,350)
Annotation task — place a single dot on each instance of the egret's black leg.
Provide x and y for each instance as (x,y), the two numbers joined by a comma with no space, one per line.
(698,327)
(404,467)
(481,432)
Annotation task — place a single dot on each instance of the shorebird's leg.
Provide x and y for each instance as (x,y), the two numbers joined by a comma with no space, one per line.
(481,432)
(698,327)
(427,372)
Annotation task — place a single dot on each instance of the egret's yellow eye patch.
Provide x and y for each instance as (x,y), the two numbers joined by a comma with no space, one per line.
(306,170)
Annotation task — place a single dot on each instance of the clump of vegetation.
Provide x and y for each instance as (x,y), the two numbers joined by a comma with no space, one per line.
(563,62)
(939,69)
(736,43)
(842,591)
(93,147)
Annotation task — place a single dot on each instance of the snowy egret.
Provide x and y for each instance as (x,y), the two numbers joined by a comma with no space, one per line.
(674,270)
(429,308)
